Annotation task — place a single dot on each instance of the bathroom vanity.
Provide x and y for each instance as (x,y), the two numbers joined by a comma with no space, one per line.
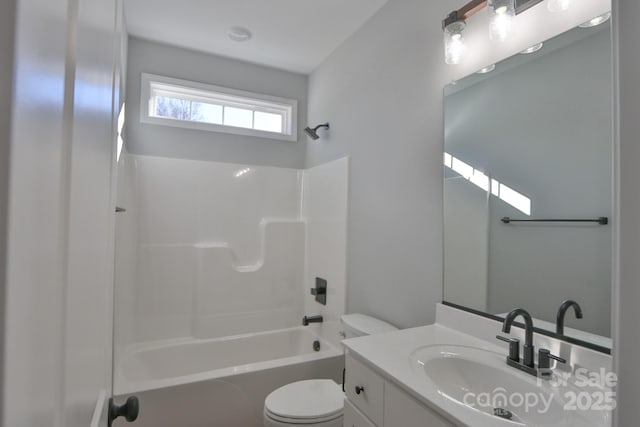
(454,373)
(380,402)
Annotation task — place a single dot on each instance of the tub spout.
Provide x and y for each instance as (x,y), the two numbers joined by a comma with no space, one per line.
(311,319)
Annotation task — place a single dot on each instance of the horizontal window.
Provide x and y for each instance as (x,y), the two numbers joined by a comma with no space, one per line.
(173,102)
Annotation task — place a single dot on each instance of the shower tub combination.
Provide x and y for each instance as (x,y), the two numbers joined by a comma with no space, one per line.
(220,382)
(213,264)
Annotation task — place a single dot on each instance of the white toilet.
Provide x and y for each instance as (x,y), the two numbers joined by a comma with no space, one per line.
(317,403)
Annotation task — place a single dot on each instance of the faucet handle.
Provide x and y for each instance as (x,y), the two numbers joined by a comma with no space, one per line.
(545,357)
(514,347)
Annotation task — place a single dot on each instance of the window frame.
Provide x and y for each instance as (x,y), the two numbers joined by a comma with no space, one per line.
(196,92)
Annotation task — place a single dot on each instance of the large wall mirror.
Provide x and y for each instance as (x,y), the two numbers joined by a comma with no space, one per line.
(528,185)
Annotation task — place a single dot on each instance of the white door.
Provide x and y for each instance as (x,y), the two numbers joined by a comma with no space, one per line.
(59,281)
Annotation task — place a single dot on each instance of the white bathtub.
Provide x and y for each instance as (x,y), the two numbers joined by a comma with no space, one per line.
(173,362)
(220,382)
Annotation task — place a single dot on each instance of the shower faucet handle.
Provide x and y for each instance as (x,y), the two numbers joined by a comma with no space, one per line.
(320,290)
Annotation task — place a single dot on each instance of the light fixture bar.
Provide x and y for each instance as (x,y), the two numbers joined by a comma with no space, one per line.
(501,22)
(474,6)
(464,12)
(522,5)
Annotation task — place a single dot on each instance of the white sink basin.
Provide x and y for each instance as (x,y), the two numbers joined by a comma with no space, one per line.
(479,380)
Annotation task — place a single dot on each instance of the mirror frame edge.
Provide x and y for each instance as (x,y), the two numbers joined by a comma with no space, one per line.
(551,334)
(570,340)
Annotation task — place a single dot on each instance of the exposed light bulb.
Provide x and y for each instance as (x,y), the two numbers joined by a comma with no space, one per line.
(454,42)
(501,16)
(558,5)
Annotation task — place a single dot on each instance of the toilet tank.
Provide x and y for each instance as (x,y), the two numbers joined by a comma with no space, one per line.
(358,325)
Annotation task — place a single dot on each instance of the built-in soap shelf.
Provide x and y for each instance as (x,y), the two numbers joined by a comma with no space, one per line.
(227,252)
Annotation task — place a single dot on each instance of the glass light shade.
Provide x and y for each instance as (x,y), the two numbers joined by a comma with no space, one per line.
(501,16)
(454,42)
(558,5)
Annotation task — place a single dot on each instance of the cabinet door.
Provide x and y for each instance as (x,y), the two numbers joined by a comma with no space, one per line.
(365,389)
(354,418)
(402,410)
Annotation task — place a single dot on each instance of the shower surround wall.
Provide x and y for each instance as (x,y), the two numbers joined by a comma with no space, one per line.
(209,250)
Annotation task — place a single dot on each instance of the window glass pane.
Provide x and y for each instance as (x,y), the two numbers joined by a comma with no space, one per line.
(207,113)
(267,121)
(187,105)
(238,117)
(172,108)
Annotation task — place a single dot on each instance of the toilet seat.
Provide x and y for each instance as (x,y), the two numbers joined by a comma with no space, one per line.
(305,402)
(302,421)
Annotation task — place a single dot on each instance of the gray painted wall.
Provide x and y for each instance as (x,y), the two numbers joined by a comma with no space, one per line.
(7,26)
(627,247)
(149,57)
(527,128)
(382,92)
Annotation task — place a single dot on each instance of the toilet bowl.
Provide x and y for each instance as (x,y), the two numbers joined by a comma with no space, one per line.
(317,403)
(309,403)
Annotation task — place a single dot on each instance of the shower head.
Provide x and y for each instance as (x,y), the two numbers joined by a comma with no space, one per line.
(313,133)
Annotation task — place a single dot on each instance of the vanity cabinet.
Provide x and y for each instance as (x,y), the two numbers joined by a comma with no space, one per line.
(365,389)
(373,401)
(355,418)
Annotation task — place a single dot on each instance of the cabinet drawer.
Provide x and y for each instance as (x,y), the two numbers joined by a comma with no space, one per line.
(354,418)
(365,389)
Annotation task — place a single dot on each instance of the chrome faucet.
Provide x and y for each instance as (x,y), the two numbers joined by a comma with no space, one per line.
(562,311)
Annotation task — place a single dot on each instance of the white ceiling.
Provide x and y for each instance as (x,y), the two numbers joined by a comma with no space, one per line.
(295,35)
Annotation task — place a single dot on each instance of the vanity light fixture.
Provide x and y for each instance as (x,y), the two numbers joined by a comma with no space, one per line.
(453,26)
(597,20)
(454,42)
(501,15)
(532,49)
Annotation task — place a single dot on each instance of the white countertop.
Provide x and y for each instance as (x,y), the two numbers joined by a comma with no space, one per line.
(389,354)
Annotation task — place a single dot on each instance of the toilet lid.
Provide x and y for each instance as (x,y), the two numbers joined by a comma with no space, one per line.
(303,400)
